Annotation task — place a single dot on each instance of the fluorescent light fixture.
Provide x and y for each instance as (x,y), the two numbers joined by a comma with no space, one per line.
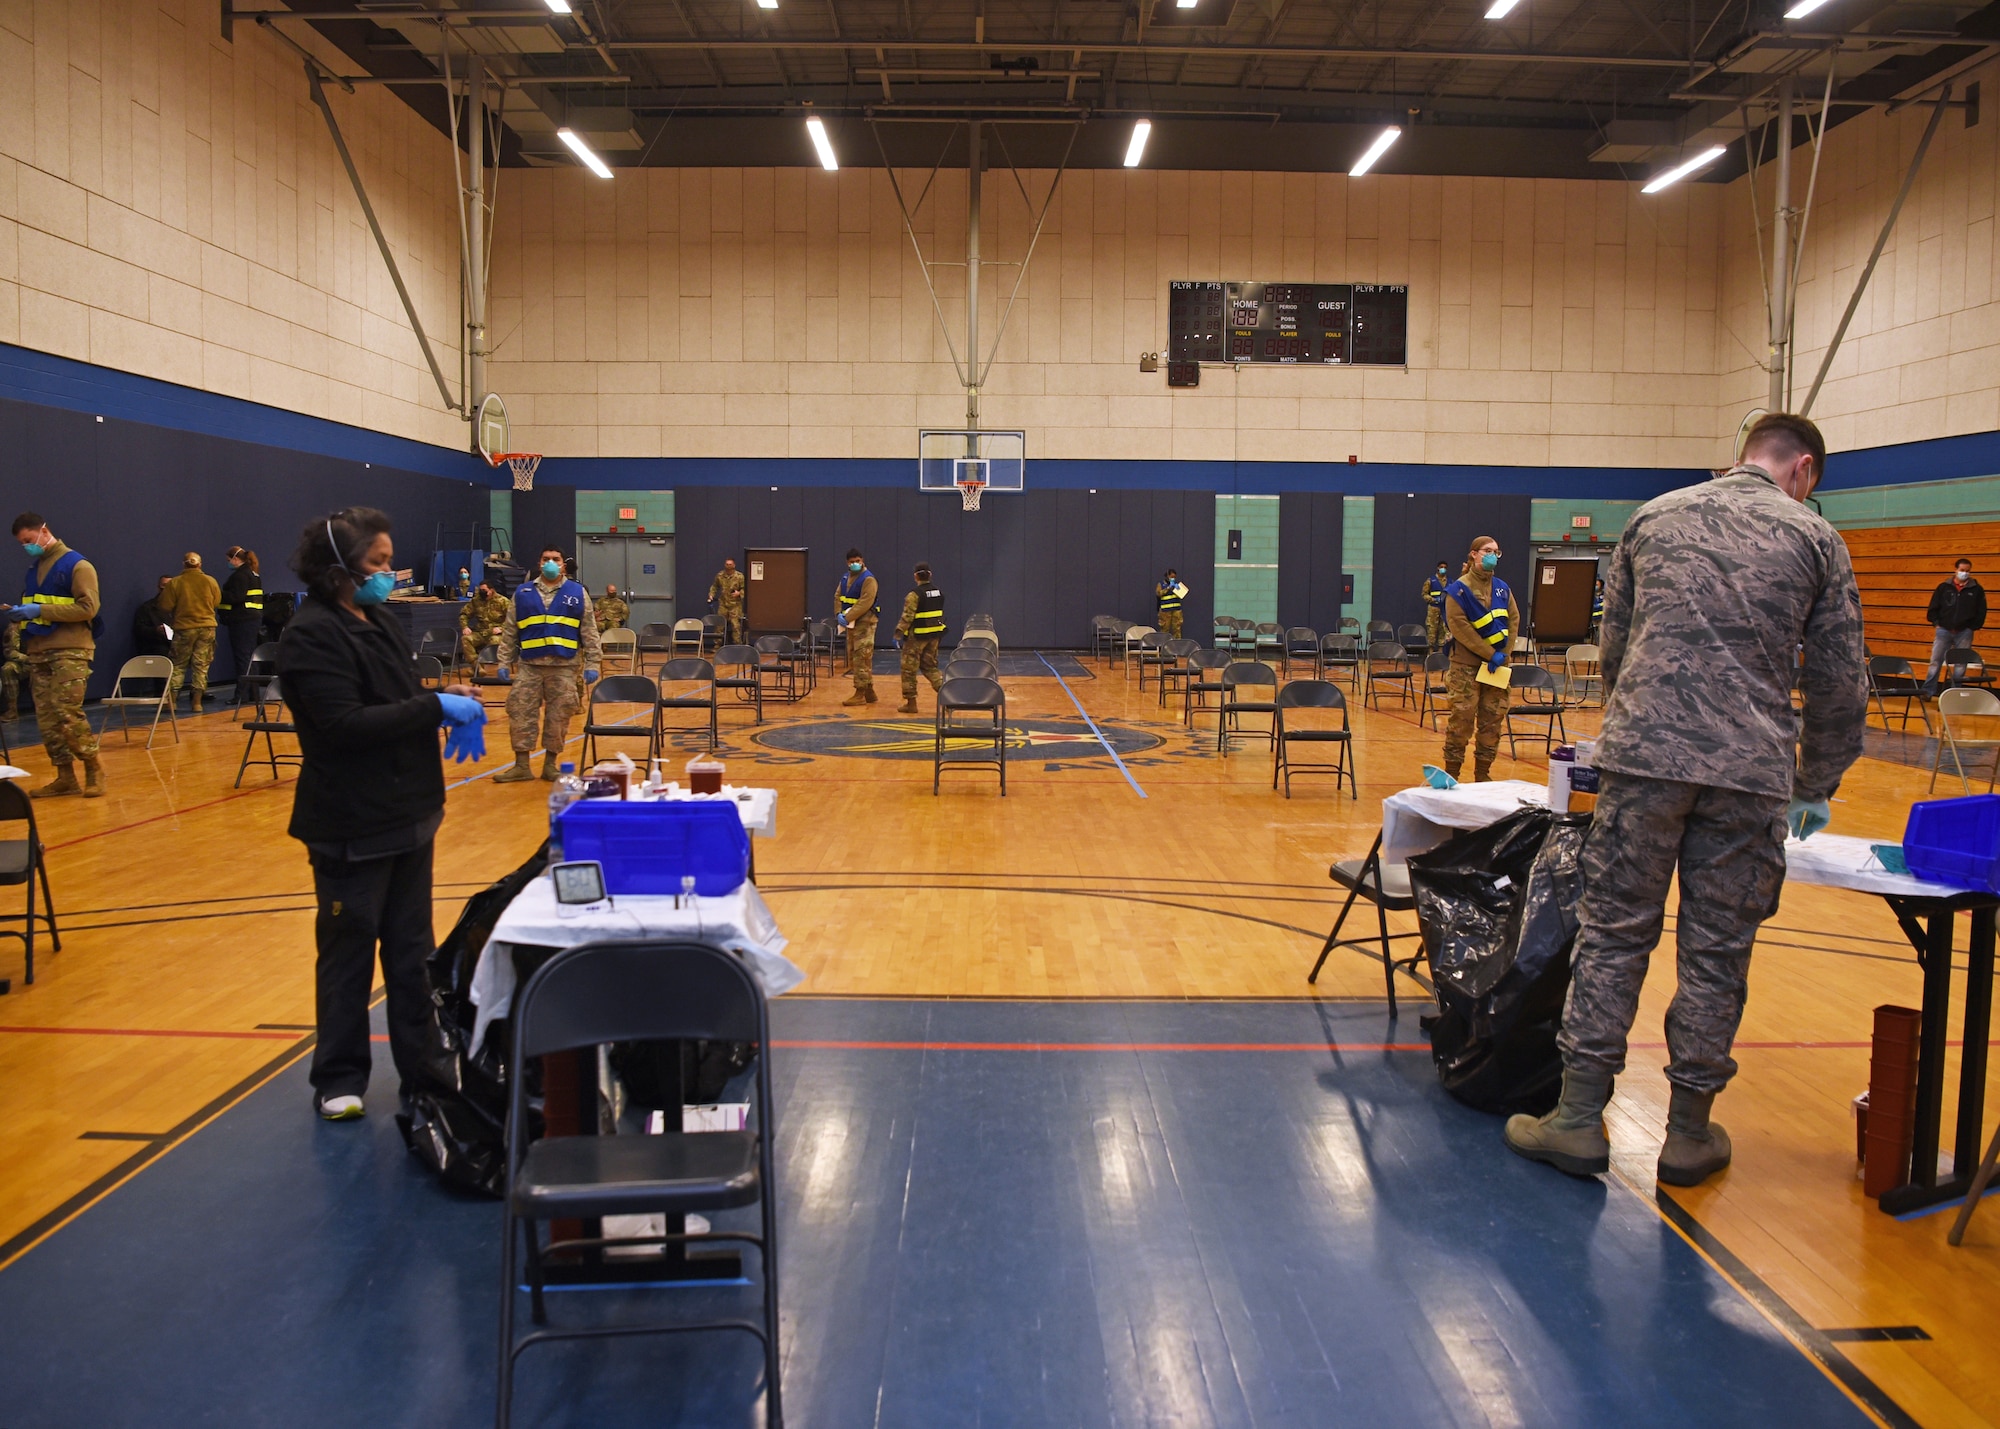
(1803,9)
(1375,151)
(582,151)
(1184,4)
(767,4)
(1136,150)
(1499,8)
(561,7)
(1681,171)
(816,127)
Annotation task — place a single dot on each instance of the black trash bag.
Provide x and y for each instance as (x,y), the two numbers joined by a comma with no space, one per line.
(1498,911)
(455,1121)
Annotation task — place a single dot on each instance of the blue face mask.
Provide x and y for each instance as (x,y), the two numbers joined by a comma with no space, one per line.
(854,566)
(34,550)
(551,569)
(375,589)
(1489,560)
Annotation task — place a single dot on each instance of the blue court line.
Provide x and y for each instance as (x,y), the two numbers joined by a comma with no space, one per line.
(1093,726)
(1951,1205)
(489,773)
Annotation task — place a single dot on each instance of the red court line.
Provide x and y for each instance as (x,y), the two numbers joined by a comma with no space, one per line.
(170,814)
(823,1044)
(154,1032)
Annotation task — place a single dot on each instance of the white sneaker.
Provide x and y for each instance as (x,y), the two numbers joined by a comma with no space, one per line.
(339,1108)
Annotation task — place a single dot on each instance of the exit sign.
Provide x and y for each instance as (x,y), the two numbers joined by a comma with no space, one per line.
(1579,523)
(631,513)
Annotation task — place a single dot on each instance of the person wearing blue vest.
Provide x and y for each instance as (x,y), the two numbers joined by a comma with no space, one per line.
(1481,618)
(549,636)
(1432,591)
(1596,610)
(856,610)
(59,606)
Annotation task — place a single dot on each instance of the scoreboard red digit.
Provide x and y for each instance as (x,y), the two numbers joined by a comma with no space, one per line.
(1333,324)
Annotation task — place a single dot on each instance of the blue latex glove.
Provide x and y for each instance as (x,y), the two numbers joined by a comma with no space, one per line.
(501,673)
(460,710)
(1499,658)
(466,741)
(26,612)
(1803,819)
(590,677)
(841,621)
(1437,778)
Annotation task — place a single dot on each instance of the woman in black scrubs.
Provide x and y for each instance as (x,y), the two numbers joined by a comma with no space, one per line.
(241,611)
(370,798)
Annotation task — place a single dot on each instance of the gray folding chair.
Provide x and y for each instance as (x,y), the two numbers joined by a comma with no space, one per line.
(1312,695)
(1240,675)
(971,714)
(1535,697)
(147,667)
(690,670)
(622,690)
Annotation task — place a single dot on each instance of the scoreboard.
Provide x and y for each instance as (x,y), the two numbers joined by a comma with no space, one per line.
(1335,324)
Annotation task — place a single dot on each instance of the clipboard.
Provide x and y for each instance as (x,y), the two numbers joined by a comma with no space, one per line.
(1500,679)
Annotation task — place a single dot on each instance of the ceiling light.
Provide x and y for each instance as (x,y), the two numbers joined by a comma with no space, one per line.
(1681,171)
(767,4)
(1499,8)
(1375,151)
(561,7)
(582,151)
(1136,150)
(1803,9)
(816,127)
(1184,4)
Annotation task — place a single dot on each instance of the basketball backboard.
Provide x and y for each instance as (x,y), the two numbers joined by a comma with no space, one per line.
(949,461)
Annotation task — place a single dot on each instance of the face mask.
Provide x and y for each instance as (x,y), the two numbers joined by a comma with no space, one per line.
(34,550)
(375,589)
(1489,560)
(854,566)
(1961,576)
(552,569)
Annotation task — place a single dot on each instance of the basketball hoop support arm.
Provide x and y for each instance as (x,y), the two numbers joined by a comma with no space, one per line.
(374,227)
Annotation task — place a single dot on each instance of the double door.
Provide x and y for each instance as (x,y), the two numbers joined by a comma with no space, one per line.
(642,567)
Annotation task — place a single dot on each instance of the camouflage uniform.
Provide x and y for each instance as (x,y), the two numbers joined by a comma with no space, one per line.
(57,679)
(1432,592)
(190,600)
(13,665)
(920,652)
(612,612)
(1474,706)
(479,621)
(1168,616)
(546,687)
(860,633)
(725,592)
(1712,592)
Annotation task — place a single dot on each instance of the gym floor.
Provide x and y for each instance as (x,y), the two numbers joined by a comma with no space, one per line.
(1064,1136)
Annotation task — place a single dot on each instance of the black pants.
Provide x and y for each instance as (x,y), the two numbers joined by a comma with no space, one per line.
(379,900)
(243,638)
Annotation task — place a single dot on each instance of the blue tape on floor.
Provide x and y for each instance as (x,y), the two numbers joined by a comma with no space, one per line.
(1093,727)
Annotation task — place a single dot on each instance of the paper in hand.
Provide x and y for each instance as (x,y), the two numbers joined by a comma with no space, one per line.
(1500,679)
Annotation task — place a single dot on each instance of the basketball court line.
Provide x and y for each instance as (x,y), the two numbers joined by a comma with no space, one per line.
(1093,726)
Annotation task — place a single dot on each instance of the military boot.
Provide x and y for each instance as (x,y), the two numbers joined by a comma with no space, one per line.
(1696,1147)
(908,706)
(516,773)
(1571,1138)
(857,698)
(870,699)
(93,778)
(1482,771)
(65,783)
(549,770)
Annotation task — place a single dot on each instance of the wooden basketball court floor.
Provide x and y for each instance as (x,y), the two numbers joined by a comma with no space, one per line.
(185,980)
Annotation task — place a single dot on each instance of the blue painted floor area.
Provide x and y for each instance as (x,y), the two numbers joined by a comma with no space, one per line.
(1014,665)
(1020,1237)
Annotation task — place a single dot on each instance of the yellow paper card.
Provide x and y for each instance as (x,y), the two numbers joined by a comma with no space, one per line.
(1500,679)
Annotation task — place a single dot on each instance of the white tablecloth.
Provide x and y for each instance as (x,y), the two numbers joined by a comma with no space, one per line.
(738,921)
(1419,819)
(758,807)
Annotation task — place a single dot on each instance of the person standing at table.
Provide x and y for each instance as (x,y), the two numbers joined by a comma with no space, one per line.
(1957,612)
(549,647)
(1168,597)
(60,605)
(855,612)
(241,612)
(369,801)
(1432,592)
(1481,618)
(191,599)
(920,630)
(725,593)
(1714,590)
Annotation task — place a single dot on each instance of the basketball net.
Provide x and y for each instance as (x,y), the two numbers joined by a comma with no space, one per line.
(969,492)
(522,464)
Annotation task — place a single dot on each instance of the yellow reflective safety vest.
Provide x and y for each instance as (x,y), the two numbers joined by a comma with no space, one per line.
(53,590)
(1167,594)
(551,630)
(1490,623)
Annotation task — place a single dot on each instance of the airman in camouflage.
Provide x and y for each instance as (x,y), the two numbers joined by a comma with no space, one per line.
(612,610)
(13,669)
(1712,593)
(920,630)
(725,593)
(1432,591)
(479,622)
(1168,597)
(856,612)
(1481,618)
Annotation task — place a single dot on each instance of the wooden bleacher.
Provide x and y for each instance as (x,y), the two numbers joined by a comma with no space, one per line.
(1897,568)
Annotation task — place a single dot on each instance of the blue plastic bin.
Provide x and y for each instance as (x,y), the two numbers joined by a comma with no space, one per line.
(648,847)
(1955,841)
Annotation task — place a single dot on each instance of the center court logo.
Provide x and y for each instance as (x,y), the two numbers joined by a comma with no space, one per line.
(916,738)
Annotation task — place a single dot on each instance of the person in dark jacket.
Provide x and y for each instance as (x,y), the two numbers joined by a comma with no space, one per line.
(1957,611)
(241,612)
(152,634)
(370,798)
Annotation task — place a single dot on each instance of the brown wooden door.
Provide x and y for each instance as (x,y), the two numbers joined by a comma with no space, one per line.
(774,589)
(1562,599)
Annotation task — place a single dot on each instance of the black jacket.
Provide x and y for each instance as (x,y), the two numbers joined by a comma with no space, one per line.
(1956,608)
(146,636)
(368,730)
(229,610)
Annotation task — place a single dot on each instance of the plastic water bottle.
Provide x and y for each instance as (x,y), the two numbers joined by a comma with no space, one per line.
(568,790)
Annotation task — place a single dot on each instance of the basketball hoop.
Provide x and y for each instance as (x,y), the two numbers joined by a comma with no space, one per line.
(522,464)
(969,489)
